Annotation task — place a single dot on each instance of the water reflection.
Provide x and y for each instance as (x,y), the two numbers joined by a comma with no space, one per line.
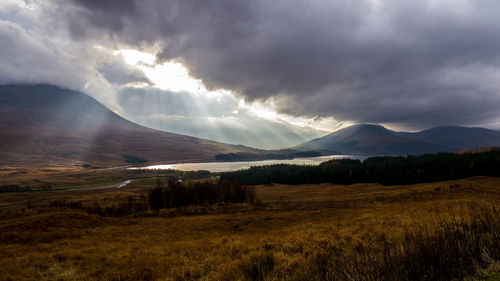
(234,166)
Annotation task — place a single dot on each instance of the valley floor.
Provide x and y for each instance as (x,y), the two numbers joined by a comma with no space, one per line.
(293,233)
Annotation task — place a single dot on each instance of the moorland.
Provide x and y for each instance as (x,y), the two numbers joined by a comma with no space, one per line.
(444,230)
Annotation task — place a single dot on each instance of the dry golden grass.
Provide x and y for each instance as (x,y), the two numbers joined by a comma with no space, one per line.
(292,223)
(15,173)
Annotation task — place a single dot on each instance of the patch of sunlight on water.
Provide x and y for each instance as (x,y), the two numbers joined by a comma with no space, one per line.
(234,166)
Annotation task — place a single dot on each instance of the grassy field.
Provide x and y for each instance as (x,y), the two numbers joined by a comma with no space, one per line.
(303,232)
(96,178)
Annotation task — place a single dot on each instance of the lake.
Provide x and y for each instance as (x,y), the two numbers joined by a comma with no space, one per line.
(234,166)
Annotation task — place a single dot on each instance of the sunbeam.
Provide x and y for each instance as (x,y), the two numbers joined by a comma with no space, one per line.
(180,103)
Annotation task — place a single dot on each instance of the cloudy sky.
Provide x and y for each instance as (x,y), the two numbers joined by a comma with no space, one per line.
(264,73)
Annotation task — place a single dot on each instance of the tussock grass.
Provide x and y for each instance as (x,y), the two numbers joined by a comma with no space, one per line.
(450,248)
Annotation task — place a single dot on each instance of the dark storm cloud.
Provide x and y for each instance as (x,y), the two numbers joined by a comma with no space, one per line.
(108,14)
(412,63)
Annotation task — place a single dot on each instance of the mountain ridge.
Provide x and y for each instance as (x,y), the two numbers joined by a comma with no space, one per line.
(377,140)
(47,126)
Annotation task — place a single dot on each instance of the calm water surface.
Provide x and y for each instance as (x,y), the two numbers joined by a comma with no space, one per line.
(234,166)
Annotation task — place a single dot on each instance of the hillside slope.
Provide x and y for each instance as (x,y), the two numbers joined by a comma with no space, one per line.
(45,126)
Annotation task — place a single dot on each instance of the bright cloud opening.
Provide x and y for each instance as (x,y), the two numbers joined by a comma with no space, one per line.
(173,76)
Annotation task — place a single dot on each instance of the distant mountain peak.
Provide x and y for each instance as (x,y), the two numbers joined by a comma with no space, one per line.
(360,131)
(364,126)
(369,128)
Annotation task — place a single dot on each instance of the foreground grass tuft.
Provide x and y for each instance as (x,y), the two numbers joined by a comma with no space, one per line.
(258,266)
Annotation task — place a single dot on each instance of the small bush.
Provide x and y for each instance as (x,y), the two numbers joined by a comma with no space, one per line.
(156,199)
(257,267)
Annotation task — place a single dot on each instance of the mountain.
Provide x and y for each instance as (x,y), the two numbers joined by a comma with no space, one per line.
(377,140)
(463,137)
(46,126)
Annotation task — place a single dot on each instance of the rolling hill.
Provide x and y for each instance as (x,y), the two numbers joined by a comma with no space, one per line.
(463,137)
(377,140)
(46,126)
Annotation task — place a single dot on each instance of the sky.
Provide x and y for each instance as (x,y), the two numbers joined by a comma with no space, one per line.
(267,74)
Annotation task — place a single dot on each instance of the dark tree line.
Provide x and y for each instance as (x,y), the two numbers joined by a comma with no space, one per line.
(383,170)
(176,194)
(18,188)
(133,205)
